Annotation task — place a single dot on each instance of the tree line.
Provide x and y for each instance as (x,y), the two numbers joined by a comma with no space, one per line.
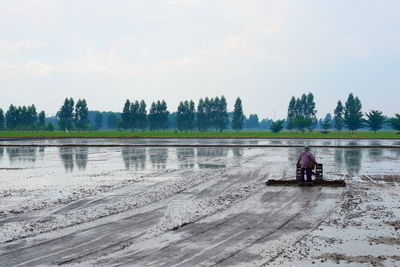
(208,114)
(22,118)
(211,113)
(302,116)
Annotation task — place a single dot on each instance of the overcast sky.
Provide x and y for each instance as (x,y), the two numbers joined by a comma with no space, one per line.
(263,51)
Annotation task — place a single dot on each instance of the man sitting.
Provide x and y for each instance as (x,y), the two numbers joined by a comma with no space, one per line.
(307,163)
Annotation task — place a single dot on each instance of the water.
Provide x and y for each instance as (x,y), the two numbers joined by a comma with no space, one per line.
(144,141)
(38,167)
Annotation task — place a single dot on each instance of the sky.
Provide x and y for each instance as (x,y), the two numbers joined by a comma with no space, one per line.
(262,51)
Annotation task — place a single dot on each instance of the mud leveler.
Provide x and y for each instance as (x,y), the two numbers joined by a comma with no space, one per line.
(318,181)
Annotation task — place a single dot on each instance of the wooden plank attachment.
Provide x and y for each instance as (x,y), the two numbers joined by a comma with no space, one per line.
(320,182)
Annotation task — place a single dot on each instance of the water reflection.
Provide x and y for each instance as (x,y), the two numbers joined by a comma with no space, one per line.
(134,157)
(212,152)
(71,156)
(294,153)
(375,153)
(339,156)
(353,158)
(347,158)
(237,151)
(185,157)
(210,166)
(22,153)
(67,157)
(207,152)
(159,157)
(81,157)
(1,152)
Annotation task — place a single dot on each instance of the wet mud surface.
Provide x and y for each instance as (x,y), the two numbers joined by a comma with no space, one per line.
(203,206)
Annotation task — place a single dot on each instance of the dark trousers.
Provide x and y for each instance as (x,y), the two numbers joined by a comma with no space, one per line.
(308,172)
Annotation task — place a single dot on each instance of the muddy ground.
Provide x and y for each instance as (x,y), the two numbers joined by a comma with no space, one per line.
(99,206)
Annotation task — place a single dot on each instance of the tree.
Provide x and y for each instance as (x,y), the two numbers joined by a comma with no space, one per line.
(375,120)
(339,116)
(208,110)
(395,122)
(214,103)
(180,117)
(112,122)
(2,120)
(201,116)
(125,116)
(66,114)
(252,122)
(163,113)
(42,120)
(265,123)
(310,111)
(134,114)
(291,114)
(22,117)
(50,127)
(81,114)
(31,117)
(221,116)
(277,126)
(302,113)
(326,123)
(238,116)
(353,116)
(191,116)
(12,117)
(153,116)
(142,116)
(98,120)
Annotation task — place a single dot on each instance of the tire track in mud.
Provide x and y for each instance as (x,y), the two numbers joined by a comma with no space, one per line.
(142,201)
(131,240)
(59,239)
(194,229)
(239,220)
(200,232)
(271,232)
(318,224)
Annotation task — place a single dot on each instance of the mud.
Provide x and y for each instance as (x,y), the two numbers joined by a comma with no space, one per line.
(191,206)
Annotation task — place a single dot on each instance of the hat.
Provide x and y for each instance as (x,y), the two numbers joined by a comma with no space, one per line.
(307,148)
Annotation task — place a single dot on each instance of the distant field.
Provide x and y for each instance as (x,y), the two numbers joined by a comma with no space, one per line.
(196,134)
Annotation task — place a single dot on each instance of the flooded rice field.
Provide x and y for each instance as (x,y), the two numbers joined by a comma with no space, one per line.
(190,202)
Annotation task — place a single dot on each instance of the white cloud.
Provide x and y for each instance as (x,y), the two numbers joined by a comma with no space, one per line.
(16,69)
(9,47)
(121,58)
(37,68)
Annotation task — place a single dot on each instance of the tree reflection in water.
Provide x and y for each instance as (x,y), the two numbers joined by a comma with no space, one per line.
(293,155)
(339,156)
(159,157)
(67,157)
(134,158)
(1,152)
(209,154)
(71,156)
(212,152)
(81,157)
(353,158)
(237,151)
(185,157)
(396,151)
(22,153)
(375,153)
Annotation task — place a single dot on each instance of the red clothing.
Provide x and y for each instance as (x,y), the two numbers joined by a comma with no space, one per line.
(306,159)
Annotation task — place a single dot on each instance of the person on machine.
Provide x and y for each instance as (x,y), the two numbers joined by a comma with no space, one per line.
(307,163)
